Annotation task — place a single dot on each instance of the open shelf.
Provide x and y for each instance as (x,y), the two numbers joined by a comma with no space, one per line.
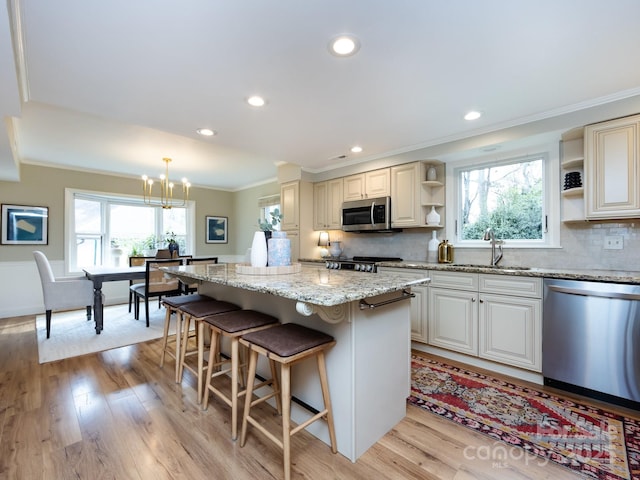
(573,192)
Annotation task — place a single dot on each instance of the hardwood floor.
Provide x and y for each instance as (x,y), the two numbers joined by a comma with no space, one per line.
(117,415)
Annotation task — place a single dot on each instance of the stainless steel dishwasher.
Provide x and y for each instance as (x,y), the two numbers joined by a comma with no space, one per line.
(591,339)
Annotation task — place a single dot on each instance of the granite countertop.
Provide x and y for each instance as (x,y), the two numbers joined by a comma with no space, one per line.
(312,285)
(565,274)
(632,277)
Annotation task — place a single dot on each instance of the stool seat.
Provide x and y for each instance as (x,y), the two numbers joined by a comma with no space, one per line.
(179,300)
(240,320)
(206,308)
(231,325)
(288,339)
(172,305)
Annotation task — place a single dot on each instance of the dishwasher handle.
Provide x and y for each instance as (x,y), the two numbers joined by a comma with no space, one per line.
(594,293)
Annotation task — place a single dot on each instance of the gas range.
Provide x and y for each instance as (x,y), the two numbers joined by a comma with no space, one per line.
(359,264)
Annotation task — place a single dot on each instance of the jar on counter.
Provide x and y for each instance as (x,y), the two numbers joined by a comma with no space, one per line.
(445,252)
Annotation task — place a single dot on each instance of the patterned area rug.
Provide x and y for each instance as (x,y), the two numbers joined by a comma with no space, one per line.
(594,442)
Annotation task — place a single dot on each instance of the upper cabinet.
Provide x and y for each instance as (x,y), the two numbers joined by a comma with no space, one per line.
(327,205)
(572,168)
(415,193)
(612,169)
(290,205)
(376,183)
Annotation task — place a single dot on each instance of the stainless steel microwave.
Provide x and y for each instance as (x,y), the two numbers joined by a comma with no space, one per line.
(371,214)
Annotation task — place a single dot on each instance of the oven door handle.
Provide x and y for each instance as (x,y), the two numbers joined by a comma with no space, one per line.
(373,204)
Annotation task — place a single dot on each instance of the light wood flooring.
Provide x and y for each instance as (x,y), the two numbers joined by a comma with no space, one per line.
(117,415)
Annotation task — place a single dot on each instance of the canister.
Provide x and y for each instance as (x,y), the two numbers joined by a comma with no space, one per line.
(445,252)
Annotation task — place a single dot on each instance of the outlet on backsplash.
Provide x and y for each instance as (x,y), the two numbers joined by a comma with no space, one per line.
(613,242)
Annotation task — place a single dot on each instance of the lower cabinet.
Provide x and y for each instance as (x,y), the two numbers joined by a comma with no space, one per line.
(418,303)
(468,316)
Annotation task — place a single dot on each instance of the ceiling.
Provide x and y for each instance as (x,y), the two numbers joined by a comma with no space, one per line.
(114,86)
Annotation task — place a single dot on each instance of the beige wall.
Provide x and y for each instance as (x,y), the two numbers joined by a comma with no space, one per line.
(247,212)
(43,186)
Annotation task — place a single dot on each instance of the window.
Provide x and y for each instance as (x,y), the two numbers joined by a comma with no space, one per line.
(269,206)
(509,196)
(104,229)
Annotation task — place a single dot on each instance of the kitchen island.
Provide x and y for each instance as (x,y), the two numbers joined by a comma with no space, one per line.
(368,369)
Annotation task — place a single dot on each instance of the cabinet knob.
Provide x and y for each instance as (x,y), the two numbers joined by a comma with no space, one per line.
(473,300)
(481,301)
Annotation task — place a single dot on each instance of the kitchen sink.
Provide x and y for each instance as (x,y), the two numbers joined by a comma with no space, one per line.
(497,267)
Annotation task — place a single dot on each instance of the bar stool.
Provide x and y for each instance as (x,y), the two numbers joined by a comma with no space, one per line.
(172,305)
(231,325)
(196,312)
(287,344)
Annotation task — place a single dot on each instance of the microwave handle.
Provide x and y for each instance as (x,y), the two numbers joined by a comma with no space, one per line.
(373,204)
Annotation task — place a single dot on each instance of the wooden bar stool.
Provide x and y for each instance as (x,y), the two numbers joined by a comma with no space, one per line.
(231,325)
(196,312)
(287,344)
(172,306)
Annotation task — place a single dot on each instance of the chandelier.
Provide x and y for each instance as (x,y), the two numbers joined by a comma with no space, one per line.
(166,190)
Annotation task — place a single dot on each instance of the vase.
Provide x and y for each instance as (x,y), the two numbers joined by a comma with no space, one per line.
(431,173)
(335,249)
(174,247)
(433,218)
(259,250)
(432,248)
(279,250)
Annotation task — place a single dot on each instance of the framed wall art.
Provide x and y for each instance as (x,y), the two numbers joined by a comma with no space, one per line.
(216,229)
(25,225)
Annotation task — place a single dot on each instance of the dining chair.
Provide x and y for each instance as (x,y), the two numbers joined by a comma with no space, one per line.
(136,261)
(193,287)
(62,293)
(156,284)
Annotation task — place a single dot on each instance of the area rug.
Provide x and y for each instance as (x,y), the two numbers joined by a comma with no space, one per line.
(594,442)
(72,335)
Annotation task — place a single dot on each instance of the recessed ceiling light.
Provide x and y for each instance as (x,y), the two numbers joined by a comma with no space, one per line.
(356,149)
(473,115)
(344,45)
(256,101)
(206,132)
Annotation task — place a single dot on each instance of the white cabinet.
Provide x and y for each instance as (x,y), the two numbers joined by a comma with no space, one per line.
(418,303)
(572,169)
(612,169)
(290,205)
(471,314)
(327,205)
(376,183)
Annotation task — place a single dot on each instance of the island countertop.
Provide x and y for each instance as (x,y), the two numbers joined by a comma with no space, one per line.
(311,285)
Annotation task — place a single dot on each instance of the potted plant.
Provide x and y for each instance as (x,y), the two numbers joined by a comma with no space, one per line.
(172,244)
(268,225)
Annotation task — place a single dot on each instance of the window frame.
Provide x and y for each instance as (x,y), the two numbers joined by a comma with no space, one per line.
(550,199)
(106,198)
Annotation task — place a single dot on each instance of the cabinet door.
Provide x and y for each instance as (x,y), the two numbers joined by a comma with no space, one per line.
(289,195)
(406,210)
(510,330)
(320,191)
(612,169)
(377,183)
(334,204)
(453,320)
(419,314)
(353,187)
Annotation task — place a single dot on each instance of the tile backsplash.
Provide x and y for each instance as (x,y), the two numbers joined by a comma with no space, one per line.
(582,248)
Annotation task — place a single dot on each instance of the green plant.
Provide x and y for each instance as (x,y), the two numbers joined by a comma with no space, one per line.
(170,237)
(269,224)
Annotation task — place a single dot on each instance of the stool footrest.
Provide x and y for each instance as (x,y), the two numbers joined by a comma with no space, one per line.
(303,425)
(266,432)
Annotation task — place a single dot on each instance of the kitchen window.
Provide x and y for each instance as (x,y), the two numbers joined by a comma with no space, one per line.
(105,229)
(511,196)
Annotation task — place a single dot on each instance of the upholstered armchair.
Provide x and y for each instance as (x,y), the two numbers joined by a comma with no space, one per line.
(62,294)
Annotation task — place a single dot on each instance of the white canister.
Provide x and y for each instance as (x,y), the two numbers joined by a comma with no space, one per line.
(432,248)
(433,217)
(259,250)
(279,251)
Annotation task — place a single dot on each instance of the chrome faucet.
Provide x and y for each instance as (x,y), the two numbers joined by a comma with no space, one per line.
(490,237)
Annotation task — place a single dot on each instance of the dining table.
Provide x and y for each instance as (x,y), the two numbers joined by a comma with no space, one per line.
(99,275)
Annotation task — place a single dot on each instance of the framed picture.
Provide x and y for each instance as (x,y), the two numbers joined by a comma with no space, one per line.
(23,225)
(217,229)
